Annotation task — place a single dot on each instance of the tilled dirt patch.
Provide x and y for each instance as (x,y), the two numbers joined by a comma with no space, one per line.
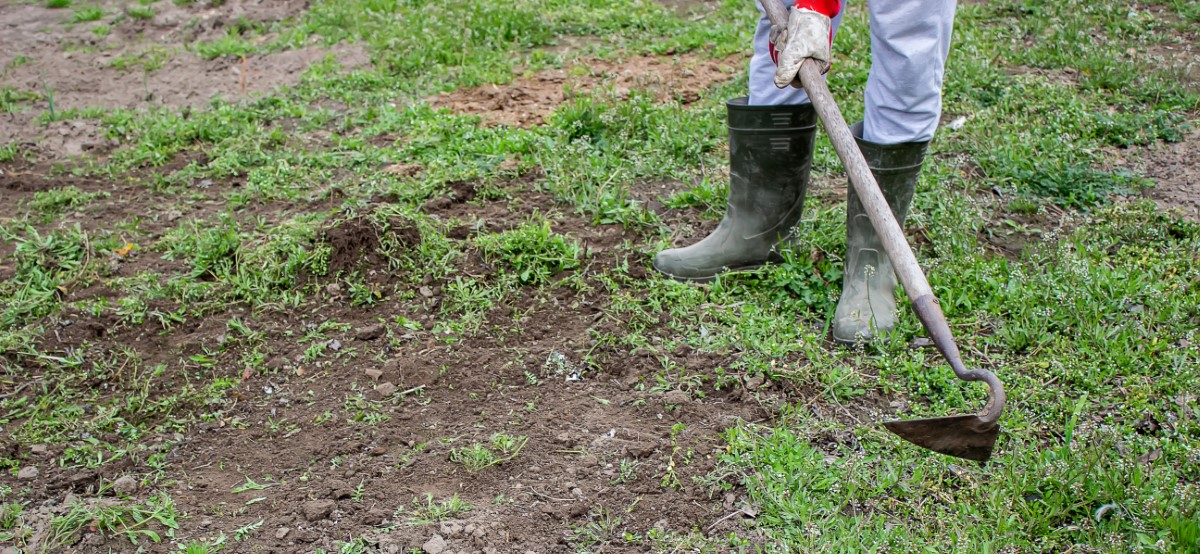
(527,101)
(113,203)
(362,441)
(1175,168)
(67,66)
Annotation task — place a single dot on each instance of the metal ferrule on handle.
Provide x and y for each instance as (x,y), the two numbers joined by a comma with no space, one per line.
(929,311)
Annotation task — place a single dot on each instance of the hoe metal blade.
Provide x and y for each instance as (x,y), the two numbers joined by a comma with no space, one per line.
(964,436)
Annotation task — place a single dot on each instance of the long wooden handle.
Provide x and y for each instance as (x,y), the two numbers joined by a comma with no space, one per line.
(776,12)
(924,303)
(863,181)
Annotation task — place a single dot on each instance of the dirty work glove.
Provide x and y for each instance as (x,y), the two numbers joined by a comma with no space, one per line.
(809,34)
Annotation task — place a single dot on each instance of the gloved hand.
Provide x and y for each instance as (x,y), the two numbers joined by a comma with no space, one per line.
(809,34)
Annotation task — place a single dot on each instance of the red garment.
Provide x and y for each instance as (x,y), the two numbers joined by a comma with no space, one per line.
(828,8)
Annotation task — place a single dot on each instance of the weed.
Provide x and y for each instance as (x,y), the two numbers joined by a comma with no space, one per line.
(364,411)
(53,202)
(10,522)
(9,152)
(477,456)
(246,531)
(12,100)
(532,251)
(231,45)
(203,547)
(148,60)
(130,521)
(626,471)
(84,14)
(251,485)
(431,511)
(601,528)
(140,12)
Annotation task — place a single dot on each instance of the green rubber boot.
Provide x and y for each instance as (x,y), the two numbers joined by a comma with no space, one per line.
(770,155)
(868,303)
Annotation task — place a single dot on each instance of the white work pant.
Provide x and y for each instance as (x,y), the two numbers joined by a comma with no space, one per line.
(910,40)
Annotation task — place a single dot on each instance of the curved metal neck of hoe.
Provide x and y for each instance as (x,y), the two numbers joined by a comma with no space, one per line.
(929,311)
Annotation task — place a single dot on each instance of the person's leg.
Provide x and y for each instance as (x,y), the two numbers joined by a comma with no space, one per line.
(763,91)
(910,40)
(771,137)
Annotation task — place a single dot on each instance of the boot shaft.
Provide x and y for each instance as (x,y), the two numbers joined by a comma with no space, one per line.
(770,156)
(868,302)
(770,149)
(896,168)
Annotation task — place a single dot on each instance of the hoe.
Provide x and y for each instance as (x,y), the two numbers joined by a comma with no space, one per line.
(965,436)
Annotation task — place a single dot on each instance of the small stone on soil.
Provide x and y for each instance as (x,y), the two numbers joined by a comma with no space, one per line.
(435,545)
(385,389)
(282,532)
(28,473)
(38,449)
(676,397)
(374,373)
(369,332)
(375,517)
(126,485)
(317,510)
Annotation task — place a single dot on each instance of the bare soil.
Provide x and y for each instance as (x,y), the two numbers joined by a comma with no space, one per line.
(331,478)
(1175,171)
(76,69)
(528,100)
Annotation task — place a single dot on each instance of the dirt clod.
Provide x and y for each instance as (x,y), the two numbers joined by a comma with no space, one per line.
(369,332)
(126,485)
(451,528)
(676,397)
(385,389)
(355,244)
(375,516)
(435,545)
(316,510)
(339,490)
(28,473)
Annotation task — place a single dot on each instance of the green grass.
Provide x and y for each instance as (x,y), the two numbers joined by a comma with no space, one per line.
(140,12)
(84,14)
(1091,326)
(11,99)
